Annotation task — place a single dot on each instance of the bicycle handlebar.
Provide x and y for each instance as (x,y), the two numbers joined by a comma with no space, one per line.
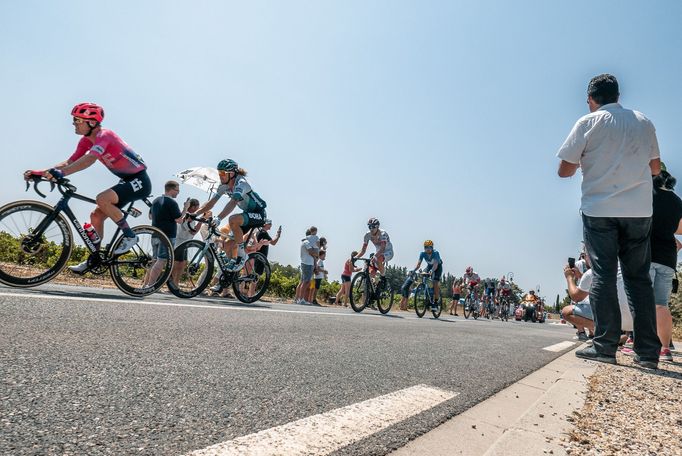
(38,177)
(209,222)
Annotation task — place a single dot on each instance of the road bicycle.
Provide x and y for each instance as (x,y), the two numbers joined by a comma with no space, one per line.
(423,296)
(472,305)
(196,261)
(365,292)
(37,244)
(504,308)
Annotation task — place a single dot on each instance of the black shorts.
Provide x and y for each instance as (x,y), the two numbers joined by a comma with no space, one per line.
(253,220)
(132,188)
(318,282)
(345,278)
(438,274)
(455,297)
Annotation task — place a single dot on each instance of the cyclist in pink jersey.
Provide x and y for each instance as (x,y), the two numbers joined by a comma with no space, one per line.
(107,147)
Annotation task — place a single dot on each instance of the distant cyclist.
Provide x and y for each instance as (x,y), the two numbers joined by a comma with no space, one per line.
(235,186)
(106,146)
(504,288)
(382,243)
(434,265)
(471,280)
(490,289)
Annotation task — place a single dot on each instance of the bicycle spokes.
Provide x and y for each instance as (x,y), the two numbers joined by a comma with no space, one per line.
(27,256)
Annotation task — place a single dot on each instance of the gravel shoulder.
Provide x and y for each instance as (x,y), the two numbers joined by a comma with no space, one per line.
(630,411)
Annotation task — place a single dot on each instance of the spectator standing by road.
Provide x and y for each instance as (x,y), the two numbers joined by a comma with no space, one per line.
(309,248)
(346,276)
(261,242)
(456,295)
(406,289)
(666,223)
(166,215)
(320,275)
(618,152)
(187,229)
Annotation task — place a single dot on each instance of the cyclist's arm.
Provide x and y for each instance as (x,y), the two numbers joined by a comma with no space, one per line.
(62,164)
(362,250)
(419,263)
(229,207)
(79,165)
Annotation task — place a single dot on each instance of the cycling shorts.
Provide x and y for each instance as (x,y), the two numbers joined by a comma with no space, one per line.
(253,220)
(133,188)
(490,292)
(438,274)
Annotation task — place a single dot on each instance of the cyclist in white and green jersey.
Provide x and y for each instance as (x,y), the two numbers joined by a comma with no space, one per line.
(235,186)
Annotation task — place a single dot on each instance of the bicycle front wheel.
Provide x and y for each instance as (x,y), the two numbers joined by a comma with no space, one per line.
(253,279)
(192,269)
(468,308)
(359,292)
(385,298)
(35,243)
(140,272)
(420,300)
(477,309)
(438,309)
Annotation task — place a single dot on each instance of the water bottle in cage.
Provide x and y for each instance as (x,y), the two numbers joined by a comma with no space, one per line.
(92,233)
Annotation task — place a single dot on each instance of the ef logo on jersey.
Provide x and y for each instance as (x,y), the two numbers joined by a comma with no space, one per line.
(136,184)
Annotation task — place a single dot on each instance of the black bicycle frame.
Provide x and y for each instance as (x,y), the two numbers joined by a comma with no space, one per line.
(63,206)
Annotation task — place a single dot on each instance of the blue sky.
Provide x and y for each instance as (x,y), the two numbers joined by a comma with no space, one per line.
(442,119)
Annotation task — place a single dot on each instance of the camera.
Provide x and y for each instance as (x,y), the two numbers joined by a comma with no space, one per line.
(571,262)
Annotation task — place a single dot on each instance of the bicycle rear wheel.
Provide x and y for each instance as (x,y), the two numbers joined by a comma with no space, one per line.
(385,298)
(253,279)
(359,292)
(420,300)
(192,270)
(136,272)
(35,244)
(477,309)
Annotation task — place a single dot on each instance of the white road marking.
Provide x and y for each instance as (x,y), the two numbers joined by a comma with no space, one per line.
(198,306)
(327,432)
(560,346)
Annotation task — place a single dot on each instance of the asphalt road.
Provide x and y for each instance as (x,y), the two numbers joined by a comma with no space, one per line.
(93,372)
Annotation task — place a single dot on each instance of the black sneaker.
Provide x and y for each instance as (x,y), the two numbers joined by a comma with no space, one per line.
(582,337)
(593,355)
(645,364)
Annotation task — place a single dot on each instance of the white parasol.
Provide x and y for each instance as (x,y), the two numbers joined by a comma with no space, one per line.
(201,177)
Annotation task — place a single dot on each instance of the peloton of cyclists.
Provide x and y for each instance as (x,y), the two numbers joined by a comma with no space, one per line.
(434,265)
(382,243)
(101,144)
(235,186)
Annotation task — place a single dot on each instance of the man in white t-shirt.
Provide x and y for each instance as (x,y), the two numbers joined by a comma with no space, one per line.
(309,251)
(617,150)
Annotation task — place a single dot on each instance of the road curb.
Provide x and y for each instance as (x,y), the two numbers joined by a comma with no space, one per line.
(527,418)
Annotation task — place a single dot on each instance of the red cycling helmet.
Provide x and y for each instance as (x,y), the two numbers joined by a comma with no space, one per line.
(469,270)
(89,111)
